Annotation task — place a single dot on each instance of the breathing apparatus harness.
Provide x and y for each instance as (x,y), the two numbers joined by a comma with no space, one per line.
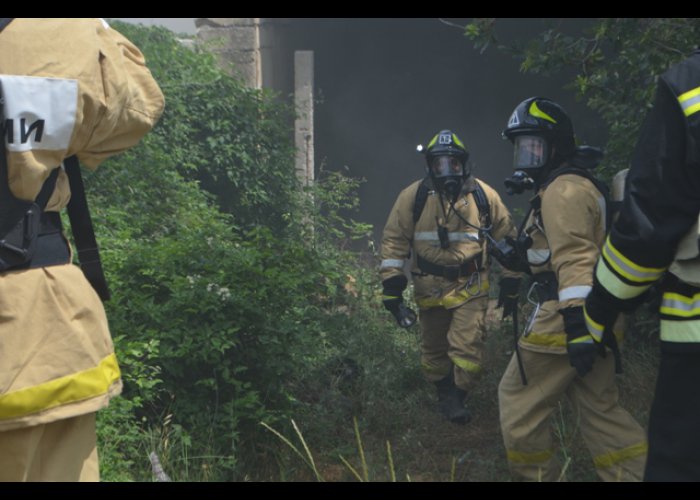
(31,238)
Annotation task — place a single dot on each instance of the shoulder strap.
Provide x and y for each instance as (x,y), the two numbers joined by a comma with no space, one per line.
(81,224)
(47,189)
(482,203)
(421,198)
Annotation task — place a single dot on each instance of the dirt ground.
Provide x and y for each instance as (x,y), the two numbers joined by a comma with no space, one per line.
(428,448)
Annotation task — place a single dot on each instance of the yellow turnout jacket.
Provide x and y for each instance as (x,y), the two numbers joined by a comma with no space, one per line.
(70,86)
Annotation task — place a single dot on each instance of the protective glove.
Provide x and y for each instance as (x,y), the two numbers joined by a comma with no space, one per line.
(600,311)
(508,295)
(512,253)
(580,346)
(393,300)
(405,316)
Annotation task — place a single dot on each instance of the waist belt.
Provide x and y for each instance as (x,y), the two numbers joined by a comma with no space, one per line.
(452,273)
(51,247)
(546,286)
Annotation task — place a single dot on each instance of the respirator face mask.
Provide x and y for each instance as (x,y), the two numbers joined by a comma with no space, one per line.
(530,155)
(448,173)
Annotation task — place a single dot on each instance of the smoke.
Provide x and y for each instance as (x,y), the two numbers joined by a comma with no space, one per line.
(390,84)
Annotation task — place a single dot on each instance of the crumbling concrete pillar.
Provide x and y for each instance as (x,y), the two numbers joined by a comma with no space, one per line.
(236,43)
(304,123)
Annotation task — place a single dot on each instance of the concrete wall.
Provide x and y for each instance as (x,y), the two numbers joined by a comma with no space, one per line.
(382,86)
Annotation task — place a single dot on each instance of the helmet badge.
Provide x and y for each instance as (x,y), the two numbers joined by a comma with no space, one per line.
(514,120)
(445,139)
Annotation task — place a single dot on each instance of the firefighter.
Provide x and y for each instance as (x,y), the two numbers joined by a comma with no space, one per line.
(441,223)
(558,245)
(69,87)
(656,235)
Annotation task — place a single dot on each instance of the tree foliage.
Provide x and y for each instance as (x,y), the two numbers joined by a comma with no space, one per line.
(222,292)
(614,63)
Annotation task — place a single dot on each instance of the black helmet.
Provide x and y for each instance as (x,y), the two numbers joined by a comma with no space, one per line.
(446,143)
(542,133)
(446,159)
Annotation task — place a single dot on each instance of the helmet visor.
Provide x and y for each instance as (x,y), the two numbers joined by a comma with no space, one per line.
(446,166)
(530,152)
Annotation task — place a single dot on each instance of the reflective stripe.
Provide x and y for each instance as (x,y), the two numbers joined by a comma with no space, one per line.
(614,457)
(391,263)
(426,236)
(433,141)
(463,236)
(675,304)
(603,210)
(555,339)
(628,269)
(686,328)
(65,390)
(466,365)
(535,256)
(574,292)
(453,236)
(529,458)
(450,301)
(546,339)
(690,101)
(440,370)
(680,331)
(584,339)
(536,111)
(594,328)
(613,284)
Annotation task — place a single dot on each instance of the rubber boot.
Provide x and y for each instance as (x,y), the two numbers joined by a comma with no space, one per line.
(451,401)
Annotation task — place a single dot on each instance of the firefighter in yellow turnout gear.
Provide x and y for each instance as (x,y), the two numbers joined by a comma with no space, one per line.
(69,87)
(439,223)
(558,245)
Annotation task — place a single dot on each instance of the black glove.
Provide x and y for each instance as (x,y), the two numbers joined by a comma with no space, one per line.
(508,295)
(580,346)
(601,310)
(511,253)
(393,300)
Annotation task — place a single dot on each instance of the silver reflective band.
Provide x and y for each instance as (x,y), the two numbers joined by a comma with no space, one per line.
(594,328)
(391,263)
(538,256)
(433,236)
(678,305)
(603,211)
(574,292)
(626,270)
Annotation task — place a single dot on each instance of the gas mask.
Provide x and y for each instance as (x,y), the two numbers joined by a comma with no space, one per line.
(448,174)
(531,154)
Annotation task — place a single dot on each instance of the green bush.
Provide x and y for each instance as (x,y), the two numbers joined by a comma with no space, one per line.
(228,283)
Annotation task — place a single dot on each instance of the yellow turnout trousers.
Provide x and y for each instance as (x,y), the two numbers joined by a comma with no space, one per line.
(615,440)
(64,450)
(454,337)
